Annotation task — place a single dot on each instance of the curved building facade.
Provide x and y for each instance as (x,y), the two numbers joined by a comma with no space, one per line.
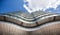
(15,19)
(37,23)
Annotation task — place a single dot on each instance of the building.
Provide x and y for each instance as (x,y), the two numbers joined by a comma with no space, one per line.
(37,23)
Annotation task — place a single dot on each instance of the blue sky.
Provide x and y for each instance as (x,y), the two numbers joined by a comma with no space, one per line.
(17,5)
(11,6)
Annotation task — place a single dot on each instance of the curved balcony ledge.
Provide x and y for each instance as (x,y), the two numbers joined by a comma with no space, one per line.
(30,21)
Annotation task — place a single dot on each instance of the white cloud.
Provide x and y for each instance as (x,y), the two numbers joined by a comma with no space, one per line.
(35,5)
